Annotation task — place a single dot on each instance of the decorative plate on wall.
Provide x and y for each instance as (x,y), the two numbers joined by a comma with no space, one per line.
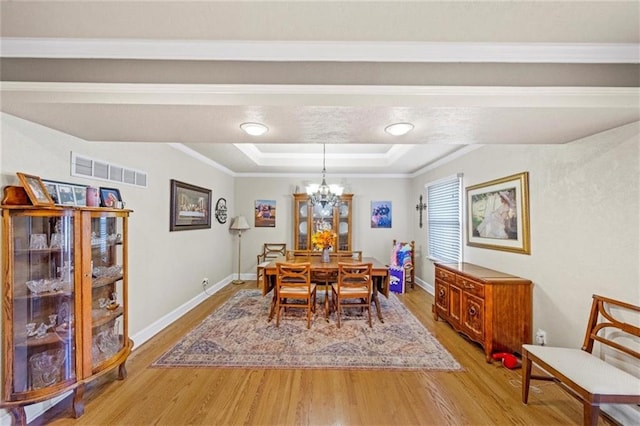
(221,210)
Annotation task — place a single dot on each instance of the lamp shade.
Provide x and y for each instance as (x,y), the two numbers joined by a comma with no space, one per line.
(239,224)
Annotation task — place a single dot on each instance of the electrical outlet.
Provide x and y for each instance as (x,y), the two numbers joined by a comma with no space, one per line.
(205,282)
(541,337)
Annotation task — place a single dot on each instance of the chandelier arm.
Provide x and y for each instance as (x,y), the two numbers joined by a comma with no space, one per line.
(323,194)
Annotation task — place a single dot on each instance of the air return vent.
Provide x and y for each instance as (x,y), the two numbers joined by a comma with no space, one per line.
(87,167)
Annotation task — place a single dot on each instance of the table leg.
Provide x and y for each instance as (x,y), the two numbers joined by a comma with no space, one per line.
(376,300)
(274,299)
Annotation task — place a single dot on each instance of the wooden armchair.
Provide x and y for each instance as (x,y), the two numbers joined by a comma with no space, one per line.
(293,282)
(409,263)
(270,251)
(353,288)
(584,375)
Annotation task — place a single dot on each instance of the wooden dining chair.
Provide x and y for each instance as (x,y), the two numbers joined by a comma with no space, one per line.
(353,288)
(293,285)
(270,251)
(355,255)
(292,254)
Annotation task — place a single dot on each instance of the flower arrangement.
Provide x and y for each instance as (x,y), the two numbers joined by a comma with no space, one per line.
(323,239)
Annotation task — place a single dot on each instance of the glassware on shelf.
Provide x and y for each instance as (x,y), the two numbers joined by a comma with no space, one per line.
(56,241)
(31,329)
(106,343)
(38,242)
(107,271)
(44,285)
(46,368)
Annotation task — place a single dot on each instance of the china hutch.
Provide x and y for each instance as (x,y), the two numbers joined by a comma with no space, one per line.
(309,218)
(64,313)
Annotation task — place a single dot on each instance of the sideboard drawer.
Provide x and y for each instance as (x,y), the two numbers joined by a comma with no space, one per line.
(445,275)
(470,286)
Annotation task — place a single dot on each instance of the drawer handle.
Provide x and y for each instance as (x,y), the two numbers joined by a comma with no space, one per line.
(467,285)
(441,292)
(472,311)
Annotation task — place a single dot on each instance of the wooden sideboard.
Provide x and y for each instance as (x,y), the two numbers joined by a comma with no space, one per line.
(490,307)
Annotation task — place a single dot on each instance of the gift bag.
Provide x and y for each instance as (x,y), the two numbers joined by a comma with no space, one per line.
(396,279)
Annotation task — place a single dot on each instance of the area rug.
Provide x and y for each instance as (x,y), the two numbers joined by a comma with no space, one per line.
(238,335)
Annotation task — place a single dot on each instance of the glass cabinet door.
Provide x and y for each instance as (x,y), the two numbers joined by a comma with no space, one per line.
(344,225)
(107,287)
(301,231)
(40,287)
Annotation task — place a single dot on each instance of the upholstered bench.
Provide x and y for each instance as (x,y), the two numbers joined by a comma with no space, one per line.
(587,376)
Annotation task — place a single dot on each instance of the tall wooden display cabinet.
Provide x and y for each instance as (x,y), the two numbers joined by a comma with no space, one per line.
(64,313)
(308,218)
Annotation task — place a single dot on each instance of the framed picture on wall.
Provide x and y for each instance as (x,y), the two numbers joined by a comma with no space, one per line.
(190,207)
(381,214)
(498,214)
(265,213)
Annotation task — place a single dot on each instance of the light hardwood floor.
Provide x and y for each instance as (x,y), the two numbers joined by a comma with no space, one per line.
(484,394)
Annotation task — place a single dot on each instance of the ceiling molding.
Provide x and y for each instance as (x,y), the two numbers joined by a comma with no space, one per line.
(340,51)
(310,159)
(206,160)
(321,95)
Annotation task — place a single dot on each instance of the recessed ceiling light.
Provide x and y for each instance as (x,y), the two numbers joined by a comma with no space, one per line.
(398,129)
(254,129)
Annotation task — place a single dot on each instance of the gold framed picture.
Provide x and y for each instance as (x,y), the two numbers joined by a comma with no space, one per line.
(36,190)
(498,214)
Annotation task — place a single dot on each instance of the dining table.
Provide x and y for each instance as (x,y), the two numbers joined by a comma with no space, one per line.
(379,273)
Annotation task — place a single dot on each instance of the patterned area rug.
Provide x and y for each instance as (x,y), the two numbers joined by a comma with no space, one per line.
(238,335)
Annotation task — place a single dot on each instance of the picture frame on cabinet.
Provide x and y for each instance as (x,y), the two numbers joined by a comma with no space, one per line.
(190,207)
(33,185)
(110,197)
(498,214)
(66,193)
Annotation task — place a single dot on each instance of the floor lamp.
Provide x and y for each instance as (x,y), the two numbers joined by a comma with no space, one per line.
(239,224)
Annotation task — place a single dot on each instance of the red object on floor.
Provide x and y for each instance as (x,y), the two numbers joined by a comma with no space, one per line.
(508,360)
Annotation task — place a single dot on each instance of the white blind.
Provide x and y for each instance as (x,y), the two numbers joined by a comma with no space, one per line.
(444,225)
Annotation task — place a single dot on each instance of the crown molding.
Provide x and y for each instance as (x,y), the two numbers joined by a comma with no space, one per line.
(342,95)
(323,51)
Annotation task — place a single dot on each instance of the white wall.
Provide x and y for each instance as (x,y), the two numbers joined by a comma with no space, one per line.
(166,268)
(374,242)
(585,223)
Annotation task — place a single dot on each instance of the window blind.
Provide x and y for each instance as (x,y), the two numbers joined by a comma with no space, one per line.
(444,224)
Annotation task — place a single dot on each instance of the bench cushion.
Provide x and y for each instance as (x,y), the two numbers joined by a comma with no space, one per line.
(588,371)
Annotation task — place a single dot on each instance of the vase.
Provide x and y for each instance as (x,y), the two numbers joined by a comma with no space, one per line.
(325,255)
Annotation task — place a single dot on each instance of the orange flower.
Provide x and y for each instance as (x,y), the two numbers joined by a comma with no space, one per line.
(323,239)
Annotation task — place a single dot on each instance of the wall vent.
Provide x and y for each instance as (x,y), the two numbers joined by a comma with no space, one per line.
(83,166)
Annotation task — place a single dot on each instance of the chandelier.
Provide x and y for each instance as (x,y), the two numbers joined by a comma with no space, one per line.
(323,194)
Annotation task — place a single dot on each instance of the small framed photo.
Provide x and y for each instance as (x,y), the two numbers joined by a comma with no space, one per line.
(35,189)
(110,197)
(65,195)
(80,195)
(52,189)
